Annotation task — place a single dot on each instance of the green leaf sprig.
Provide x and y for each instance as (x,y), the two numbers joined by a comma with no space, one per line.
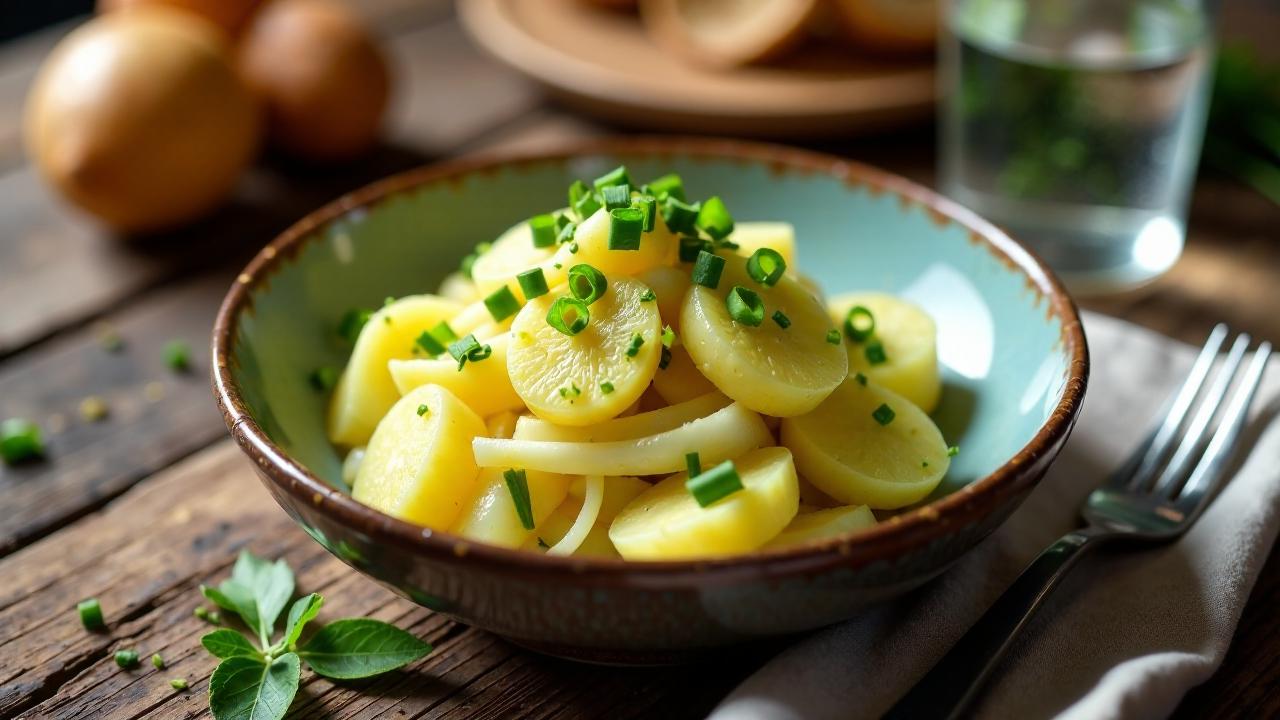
(259,681)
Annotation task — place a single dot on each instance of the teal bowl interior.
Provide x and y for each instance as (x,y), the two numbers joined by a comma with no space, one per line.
(1004,350)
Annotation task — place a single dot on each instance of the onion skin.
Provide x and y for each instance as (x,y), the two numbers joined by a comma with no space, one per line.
(230,15)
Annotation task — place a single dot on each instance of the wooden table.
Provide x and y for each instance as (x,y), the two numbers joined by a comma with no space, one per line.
(141,508)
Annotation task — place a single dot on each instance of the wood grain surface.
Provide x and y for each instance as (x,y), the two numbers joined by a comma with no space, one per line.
(142,507)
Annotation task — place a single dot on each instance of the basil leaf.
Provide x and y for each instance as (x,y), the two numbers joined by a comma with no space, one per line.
(247,688)
(303,611)
(270,583)
(361,647)
(227,643)
(236,598)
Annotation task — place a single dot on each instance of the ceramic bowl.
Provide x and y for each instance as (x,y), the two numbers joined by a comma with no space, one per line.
(1010,344)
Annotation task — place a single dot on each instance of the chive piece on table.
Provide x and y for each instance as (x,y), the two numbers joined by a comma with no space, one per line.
(533,283)
(637,341)
(707,270)
(669,184)
(543,228)
(745,306)
(714,218)
(616,196)
(568,315)
(323,378)
(587,283)
(177,355)
(91,614)
(518,486)
(126,658)
(178,683)
(691,246)
(157,661)
(694,463)
(833,337)
(678,215)
(766,266)
(781,319)
(502,304)
(874,353)
(615,177)
(883,414)
(859,324)
(714,484)
(626,225)
(20,440)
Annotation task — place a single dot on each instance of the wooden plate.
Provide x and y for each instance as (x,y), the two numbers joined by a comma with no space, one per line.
(603,63)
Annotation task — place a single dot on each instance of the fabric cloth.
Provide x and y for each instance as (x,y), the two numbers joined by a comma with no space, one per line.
(1129,630)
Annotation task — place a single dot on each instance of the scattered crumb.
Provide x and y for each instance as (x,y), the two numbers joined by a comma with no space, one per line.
(108,337)
(93,409)
(153,391)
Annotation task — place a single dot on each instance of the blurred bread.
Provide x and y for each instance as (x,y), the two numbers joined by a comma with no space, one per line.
(727,33)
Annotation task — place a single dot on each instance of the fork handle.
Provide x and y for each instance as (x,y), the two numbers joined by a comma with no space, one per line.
(952,684)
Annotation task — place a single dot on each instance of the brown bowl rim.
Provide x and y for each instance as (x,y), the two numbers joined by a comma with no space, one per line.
(887,540)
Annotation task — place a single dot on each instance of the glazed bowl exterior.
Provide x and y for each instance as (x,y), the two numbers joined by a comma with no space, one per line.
(1010,344)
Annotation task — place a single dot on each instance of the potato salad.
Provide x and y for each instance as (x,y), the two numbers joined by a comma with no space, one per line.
(636,375)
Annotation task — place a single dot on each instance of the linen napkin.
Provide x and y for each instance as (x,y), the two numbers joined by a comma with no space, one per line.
(1126,634)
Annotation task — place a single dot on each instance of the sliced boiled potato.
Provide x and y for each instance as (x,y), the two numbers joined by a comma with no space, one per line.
(848,454)
(459,288)
(419,467)
(628,428)
(484,386)
(670,285)
(351,465)
(909,337)
(365,391)
(512,253)
(680,381)
(502,424)
(770,369)
(666,523)
(778,236)
(725,434)
(491,515)
(821,524)
(562,378)
(592,240)
(809,495)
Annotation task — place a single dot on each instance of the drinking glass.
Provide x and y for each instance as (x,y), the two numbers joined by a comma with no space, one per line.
(1076,125)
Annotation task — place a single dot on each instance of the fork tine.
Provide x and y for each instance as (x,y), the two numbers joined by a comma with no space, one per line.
(1209,472)
(1138,469)
(1177,468)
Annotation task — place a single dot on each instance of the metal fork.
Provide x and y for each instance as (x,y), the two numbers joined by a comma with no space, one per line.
(1154,497)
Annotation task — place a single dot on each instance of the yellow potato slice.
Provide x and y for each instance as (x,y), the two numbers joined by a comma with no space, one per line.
(779,236)
(592,239)
(512,253)
(772,370)
(419,467)
(365,391)
(680,381)
(821,524)
(559,377)
(484,386)
(458,288)
(809,495)
(670,285)
(666,523)
(909,337)
(724,434)
(351,465)
(491,516)
(847,454)
(501,425)
(628,428)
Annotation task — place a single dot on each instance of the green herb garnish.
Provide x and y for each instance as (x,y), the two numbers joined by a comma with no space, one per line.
(91,614)
(157,661)
(533,283)
(468,349)
(587,283)
(861,379)
(953,451)
(714,218)
(127,659)
(679,216)
(568,315)
(606,387)
(20,440)
(616,196)
(502,304)
(714,484)
(423,410)
(669,184)
(883,414)
(518,487)
(543,229)
(178,683)
(613,178)
(626,226)
(707,270)
(874,352)
(691,246)
(745,306)
(766,266)
(859,324)
(323,378)
(694,463)
(352,322)
(781,319)
(177,355)
(833,337)
(634,348)
(648,296)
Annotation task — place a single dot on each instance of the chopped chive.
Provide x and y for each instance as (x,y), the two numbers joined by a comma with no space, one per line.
(533,283)
(544,230)
(518,486)
(543,544)
(577,191)
(884,414)
(562,219)
(668,336)
(567,234)
(626,225)
(388,301)
(423,410)
(649,206)
(606,387)
(648,296)
(875,353)
(707,270)
(20,440)
(572,391)
(587,283)
(924,463)
(323,378)
(727,244)
(766,266)
(502,304)
(430,344)
(557,266)
(568,315)
(714,484)
(634,348)
(861,379)
(587,205)
(670,184)
(714,218)
(443,332)
(470,260)
(201,612)
(573,248)
(91,614)
(694,463)
(953,451)
(126,659)
(859,324)
(615,177)
(616,196)
(178,683)
(157,661)
(678,215)
(781,318)
(352,322)
(664,359)
(691,246)
(177,355)
(745,306)
(469,349)
(833,337)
